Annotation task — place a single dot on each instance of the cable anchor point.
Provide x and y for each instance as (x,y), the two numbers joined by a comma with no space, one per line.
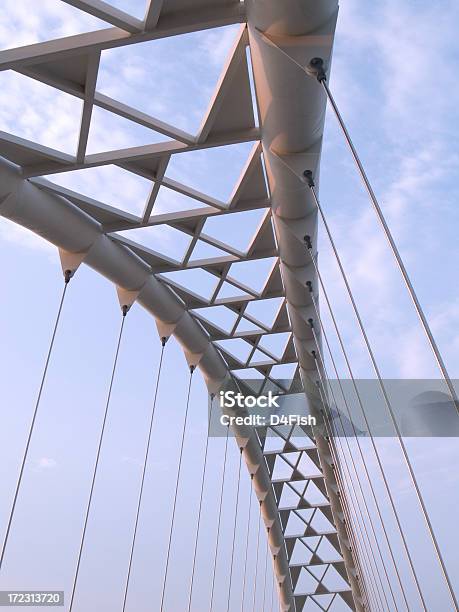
(309,286)
(316,68)
(124,310)
(309,178)
(67,276)
(307,240)
(164,339)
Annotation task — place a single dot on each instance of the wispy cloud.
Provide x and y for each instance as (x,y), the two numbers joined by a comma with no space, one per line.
(389,84)
(38,112)
(108,184)
(24,22)
(11,232)
(45,464)
(172,79)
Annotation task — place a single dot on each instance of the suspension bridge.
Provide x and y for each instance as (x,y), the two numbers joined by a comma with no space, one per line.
(311,525)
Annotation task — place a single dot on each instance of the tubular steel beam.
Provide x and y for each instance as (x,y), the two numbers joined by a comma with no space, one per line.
(67,227)
(292,111)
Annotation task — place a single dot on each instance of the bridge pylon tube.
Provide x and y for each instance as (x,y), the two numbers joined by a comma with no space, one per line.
(283,38)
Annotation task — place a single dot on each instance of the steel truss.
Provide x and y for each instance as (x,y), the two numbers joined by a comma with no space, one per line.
(282,38)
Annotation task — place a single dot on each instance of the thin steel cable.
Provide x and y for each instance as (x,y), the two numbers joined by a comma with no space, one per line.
(361,556)
(417,305)
(219,522)
(177,482)
(364,556)
(251,495)
(273,588)
(200,505)
(234,528)
(352,491)
(99,447)
(331,433)
(266,569)
(375,449)
(256,560)
(388,405)
(145,463)
(32,423)
(395,252)
(362,456)
(360,542)
(369,589)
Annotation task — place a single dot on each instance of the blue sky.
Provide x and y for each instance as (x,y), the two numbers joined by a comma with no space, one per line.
(393,77)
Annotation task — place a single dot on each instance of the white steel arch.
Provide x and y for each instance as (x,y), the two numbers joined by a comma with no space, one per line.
(282,38)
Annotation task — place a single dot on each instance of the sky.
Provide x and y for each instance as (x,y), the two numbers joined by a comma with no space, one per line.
(392,78)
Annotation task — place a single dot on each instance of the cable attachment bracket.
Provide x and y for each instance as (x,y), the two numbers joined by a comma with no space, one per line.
(124,309)
(307,240)
(316,68)
(311,323)
(309,286)
(67,276)
(309,178)
(164,339)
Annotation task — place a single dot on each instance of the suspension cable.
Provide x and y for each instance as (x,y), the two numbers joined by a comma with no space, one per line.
(317,65)
(219,521)
(144,470)
(251,495)
(362,560)
(331,434)
(348,505)
(212,397)
(67,277)
(256,558)
(375,449)
(430,529)
(177,482)
(234,527)
(362,456)
(350,479)
(124,311)
(266,569)
(273,586)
